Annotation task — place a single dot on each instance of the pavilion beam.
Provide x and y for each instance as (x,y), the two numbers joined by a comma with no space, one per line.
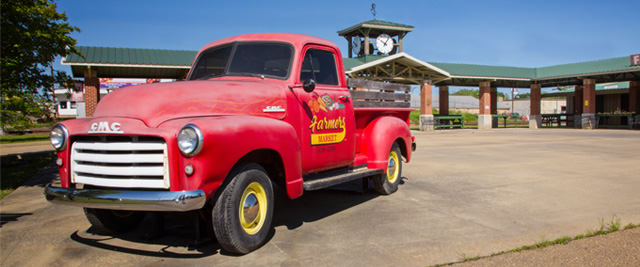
(444,100)
(578,106)
(535,119)
(91,91)
(426,106)
(634,96)
(589,104)
(484,115)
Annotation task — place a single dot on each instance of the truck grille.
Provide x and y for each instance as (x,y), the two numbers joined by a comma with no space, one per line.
(122,161)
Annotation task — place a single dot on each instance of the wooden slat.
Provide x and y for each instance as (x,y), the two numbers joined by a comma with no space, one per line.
(365,104)
(379,96)
(372,85)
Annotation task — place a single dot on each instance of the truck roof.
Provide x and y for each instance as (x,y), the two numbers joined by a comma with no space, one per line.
(298,40)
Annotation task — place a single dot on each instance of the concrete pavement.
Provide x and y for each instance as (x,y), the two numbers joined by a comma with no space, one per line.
(20,148)
(465,192)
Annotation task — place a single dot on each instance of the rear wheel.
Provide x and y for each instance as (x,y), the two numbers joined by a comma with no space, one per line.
(114,221)
(387,184)
(243,212)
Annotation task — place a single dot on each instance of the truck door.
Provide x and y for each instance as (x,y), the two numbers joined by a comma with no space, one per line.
(327,112)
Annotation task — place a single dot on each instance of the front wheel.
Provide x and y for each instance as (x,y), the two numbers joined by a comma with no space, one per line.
(387,184)
(243,212)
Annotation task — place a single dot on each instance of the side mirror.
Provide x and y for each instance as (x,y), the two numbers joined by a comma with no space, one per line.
(309,85)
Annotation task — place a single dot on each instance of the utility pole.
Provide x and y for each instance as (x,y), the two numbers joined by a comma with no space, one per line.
(512,96)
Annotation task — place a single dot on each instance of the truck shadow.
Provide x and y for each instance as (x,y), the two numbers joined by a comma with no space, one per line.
(177,240)
(178,237)
(316,205)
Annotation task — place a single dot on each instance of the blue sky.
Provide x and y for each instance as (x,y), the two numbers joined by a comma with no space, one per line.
(505,33)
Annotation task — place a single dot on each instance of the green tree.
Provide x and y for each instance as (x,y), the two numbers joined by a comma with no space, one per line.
(524,96)
(476,93)
(467,92)
(33,34)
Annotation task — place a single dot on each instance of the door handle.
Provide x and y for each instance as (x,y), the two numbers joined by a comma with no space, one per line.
(344,98)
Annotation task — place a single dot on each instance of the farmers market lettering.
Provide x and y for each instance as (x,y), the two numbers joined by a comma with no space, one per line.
(319,127)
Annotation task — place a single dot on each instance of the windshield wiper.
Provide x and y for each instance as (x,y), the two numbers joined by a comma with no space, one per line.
(261,76)
(209,76)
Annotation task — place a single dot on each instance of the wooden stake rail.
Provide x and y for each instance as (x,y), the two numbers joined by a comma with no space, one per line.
(371,94)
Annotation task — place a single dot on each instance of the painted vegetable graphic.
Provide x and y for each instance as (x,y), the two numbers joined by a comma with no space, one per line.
(314,106)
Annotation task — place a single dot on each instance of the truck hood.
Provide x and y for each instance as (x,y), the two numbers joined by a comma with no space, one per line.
(159,102)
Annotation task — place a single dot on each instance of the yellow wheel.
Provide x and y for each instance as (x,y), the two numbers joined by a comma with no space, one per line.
(392,167)
(242,213)
(387,183)
(253,208)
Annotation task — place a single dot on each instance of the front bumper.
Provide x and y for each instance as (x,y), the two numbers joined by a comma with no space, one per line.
(127,199)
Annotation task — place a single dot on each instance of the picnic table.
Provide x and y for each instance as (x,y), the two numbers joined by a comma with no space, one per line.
(604,120)
(549,119)
(448,121)
(505,117)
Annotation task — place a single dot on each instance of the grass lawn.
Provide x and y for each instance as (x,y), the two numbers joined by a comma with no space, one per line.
(15,172)
(12,138)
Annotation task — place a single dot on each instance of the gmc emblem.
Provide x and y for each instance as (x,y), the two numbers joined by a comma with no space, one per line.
(104,127)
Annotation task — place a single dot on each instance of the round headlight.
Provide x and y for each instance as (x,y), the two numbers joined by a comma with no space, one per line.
(190,140)
(58,137)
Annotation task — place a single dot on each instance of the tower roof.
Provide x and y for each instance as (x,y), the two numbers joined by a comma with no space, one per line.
(376,27)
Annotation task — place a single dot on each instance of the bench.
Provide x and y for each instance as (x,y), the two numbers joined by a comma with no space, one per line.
(448,121)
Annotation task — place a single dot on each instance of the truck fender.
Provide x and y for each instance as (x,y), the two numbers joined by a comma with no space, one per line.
(378,137)
(227,139)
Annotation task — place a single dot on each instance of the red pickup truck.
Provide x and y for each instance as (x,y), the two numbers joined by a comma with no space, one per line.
(254,110)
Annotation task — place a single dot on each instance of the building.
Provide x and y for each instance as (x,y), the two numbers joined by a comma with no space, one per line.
(71,104)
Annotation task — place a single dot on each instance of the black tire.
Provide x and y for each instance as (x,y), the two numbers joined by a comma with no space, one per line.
(114,221)
(242,230)
(387,183)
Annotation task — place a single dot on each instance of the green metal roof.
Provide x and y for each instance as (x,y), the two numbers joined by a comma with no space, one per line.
(350,63)
(110,62)
(598,66)
(144,63)
(486,71)
(386,23)
(377,27)
(131,56)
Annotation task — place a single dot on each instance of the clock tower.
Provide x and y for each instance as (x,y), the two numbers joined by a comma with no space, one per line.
(375,37)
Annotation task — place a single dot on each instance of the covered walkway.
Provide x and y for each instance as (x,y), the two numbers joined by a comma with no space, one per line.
(581,76)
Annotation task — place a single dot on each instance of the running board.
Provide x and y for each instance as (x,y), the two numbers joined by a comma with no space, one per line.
(335,177)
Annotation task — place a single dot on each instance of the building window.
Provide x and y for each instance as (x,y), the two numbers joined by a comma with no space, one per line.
(63,104)
(73,105)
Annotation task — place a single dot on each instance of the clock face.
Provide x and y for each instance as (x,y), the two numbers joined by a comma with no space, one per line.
(356,45)
(384,43)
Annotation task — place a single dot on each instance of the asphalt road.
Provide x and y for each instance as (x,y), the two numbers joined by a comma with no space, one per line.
(465,192)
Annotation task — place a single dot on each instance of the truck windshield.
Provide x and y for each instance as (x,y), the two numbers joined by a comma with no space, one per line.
(244,59)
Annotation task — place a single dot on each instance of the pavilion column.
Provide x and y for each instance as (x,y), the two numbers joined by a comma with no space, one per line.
(494,106)
(589,104)
(484,116)
(426,106)
(535,120)
(444,100)
(634,97)
(91,91)
(577,107)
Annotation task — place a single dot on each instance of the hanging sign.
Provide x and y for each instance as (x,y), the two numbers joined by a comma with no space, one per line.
(635,60)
